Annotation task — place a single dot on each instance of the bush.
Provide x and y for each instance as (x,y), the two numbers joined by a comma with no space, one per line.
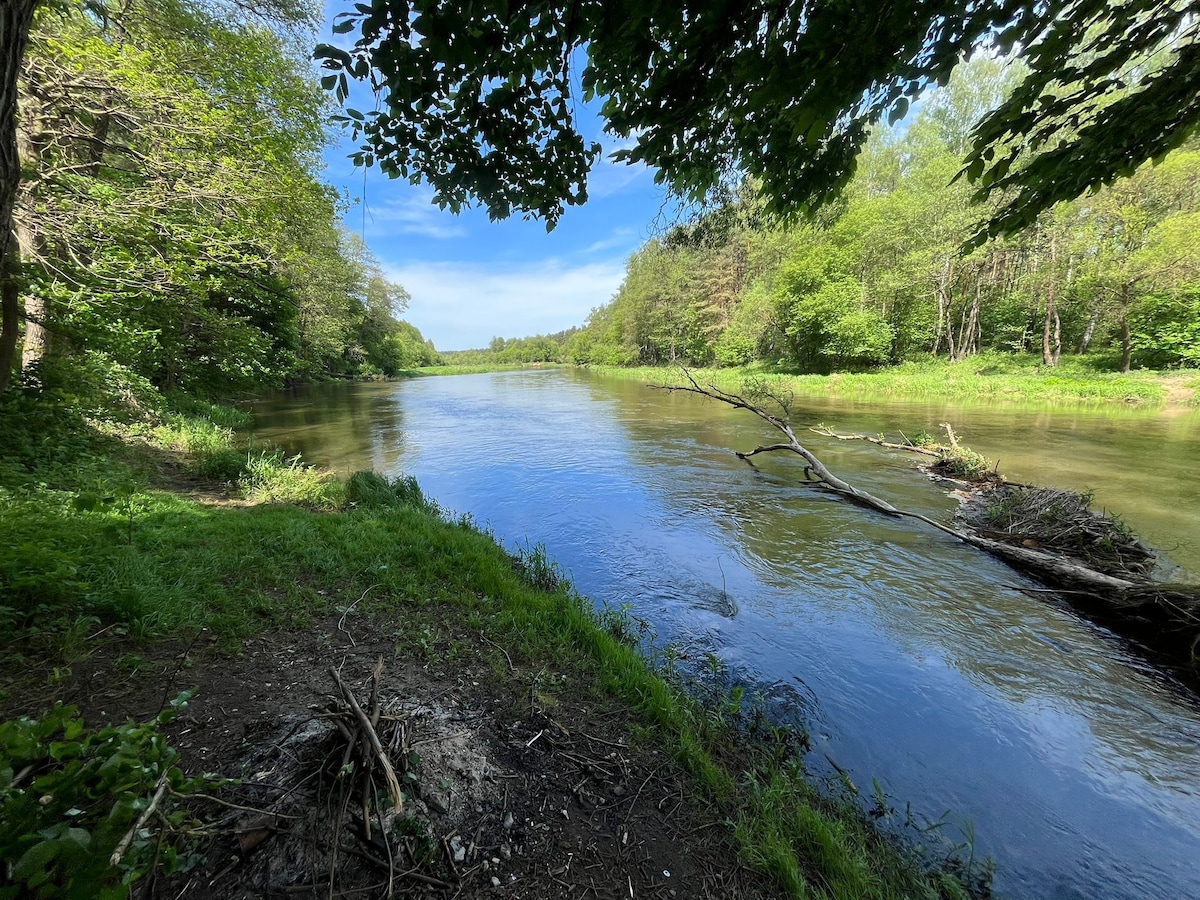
(1165,331)
(271,478)
(69,796)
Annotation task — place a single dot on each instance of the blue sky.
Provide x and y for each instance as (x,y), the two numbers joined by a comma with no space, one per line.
(471,279)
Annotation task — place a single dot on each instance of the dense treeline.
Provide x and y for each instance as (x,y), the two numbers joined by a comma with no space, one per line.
(515,351)
(173,231)
(880,278)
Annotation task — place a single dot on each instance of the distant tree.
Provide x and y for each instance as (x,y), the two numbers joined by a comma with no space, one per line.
(479,99)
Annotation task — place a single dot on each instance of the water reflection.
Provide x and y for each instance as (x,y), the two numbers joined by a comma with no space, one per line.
(911,657)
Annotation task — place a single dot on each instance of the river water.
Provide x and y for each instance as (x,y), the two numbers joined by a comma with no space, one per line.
(910,658)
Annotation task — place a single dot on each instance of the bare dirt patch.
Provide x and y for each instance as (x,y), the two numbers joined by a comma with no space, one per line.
(1181,389)
(520,784)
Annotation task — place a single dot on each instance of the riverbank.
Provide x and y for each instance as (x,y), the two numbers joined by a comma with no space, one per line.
(991,377)
(140,560)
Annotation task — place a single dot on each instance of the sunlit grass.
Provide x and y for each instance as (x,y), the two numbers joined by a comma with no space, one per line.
(990,377)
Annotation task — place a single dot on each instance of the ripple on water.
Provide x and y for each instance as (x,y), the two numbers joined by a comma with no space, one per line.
(911,658)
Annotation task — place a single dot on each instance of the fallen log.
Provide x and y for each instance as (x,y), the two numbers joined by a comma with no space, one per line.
(1124,593)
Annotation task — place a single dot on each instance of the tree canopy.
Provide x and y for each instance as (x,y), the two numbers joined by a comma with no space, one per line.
(880,277)
(480,100)
(171,231)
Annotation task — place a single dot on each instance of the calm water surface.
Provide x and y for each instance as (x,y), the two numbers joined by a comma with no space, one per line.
(910,658)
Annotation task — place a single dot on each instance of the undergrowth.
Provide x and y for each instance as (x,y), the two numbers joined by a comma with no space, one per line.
(74,803)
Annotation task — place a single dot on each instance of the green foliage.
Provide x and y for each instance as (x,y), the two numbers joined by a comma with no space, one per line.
(829,328)
(966,464)
(179,238)
(208,447)
(70,794)
(1166,329)
(43,434)
(371,490)
(541,348)
(881,278)
(479,102)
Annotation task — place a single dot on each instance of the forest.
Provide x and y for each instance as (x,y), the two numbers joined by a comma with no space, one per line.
(880,277)
(172,225)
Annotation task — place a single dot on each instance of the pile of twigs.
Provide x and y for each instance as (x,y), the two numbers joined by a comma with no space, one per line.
(370,795)
(364,752)
(1059,521)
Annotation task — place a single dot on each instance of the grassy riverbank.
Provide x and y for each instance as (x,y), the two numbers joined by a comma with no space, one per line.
(990,377)
(121,539)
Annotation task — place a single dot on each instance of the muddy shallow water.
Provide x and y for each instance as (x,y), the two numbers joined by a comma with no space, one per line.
(910,658)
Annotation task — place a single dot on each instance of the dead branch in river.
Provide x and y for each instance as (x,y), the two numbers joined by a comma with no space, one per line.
(826,431)
(1176,606)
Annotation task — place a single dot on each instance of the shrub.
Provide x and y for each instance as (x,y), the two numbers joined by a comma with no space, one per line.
(70,799)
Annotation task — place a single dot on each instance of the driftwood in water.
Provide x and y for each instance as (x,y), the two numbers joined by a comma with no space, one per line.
(1127,593)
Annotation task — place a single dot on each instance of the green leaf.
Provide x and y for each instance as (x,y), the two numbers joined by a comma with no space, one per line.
(35,861)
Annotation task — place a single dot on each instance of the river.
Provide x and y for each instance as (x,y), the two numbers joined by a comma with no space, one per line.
(909,657)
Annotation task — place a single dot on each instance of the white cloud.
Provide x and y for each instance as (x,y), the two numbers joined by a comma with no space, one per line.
(465,305)
(609,178)
(414,213)
(624,239)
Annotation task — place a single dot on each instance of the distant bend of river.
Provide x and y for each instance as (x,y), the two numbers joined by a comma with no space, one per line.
(910,658)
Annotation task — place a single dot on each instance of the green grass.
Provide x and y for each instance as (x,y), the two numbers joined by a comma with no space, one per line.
(84,554)
(988,377)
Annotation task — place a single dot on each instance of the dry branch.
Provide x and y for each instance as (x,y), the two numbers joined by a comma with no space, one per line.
(368,738)
(826,431)
(1124,592)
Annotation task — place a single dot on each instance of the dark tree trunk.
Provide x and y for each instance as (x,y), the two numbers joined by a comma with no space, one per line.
(16,20)
(1126,343)
(10,265)
(37,312)
(1051,334)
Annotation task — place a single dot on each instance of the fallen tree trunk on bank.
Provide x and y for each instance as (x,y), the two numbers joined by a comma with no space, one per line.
(1125,594)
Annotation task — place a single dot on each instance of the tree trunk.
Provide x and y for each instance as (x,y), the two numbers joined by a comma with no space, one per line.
(1051,334)
(968,342)
(10,311)
(37,311)
(1126,343)
(16,20)
(1052,326)
(31,241)
(1057,349)
(1086,340)
(943,303)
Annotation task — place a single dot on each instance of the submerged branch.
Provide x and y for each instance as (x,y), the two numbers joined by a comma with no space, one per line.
(792,444)
(1126,592)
